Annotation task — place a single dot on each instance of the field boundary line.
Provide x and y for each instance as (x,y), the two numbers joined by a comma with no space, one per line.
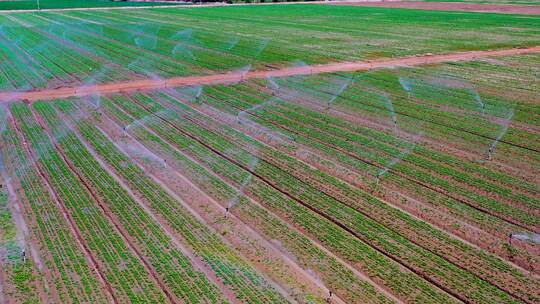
(233,77)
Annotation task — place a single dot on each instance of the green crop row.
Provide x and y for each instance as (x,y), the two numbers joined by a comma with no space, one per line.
(300,216)
(248,285)
(121,268)
(66,256)
(346,195)
(170,263)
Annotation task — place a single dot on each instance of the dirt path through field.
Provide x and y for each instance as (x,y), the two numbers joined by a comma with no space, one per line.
(231,77)
(450,6)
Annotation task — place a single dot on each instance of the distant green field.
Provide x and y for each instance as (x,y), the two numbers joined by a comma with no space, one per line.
(42,49)
(50,4)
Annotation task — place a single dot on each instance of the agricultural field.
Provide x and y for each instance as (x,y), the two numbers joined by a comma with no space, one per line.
(269,154)
(60,4)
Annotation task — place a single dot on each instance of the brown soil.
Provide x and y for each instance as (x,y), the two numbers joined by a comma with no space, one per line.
(450,6)
(231,77)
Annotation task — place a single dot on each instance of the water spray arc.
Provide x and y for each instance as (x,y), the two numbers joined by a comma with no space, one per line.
(398,158)
(348,81)
(504,128)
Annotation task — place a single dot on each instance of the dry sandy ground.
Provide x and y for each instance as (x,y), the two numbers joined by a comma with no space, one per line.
(449,6)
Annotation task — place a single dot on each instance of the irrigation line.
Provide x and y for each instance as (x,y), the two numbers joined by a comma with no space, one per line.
(272,163)
(452,293)
(315,241)
(369,162)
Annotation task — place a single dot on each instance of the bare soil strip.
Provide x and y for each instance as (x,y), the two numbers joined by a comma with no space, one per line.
(231,77)
(450,6)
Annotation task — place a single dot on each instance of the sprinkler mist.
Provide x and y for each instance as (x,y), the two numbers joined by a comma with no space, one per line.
(231,43)
(262,47)
(180,50)
(192,94)
(262,105)
(23,59)
(141,122)
(184,44)
(393,162)
(243,71)
(146,36)
(94,99)
(346,83)
(388,103)
(272,85)
(406,84)
(390,107)
(504,128)
(455,83)
(263,131)
(240,190)
(480,102)
(145,68)
(525,237)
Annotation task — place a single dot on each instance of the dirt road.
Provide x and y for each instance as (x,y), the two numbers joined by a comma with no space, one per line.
(232,77)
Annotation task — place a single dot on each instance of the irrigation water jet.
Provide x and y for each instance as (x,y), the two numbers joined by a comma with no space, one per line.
(402,155)
(390,106)
(231,43)
(262,105)
(348,81)
(184,40)
(504,128)
(146,39)
(406,85)
(454,83)
(526,237)
(241,188)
